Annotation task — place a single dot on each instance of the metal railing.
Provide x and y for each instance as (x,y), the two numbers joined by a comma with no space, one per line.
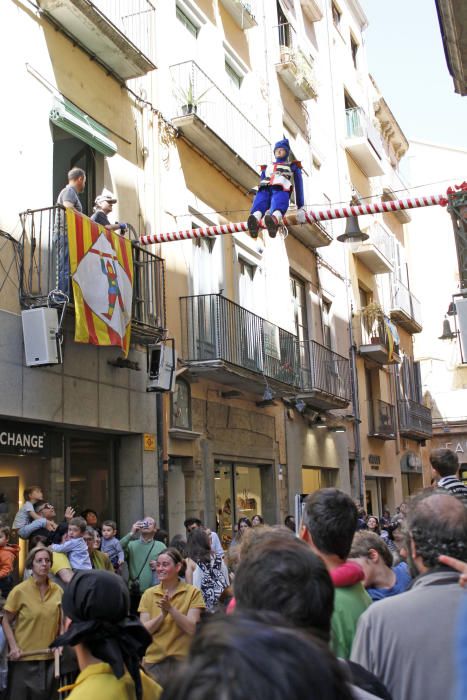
(290,52)
(44,267)
(381,419)
(215,328)
(402,298)
(324,370)
(414,418)
(135,19)
(383,240)
(358,124)
(374,332)
(196,93)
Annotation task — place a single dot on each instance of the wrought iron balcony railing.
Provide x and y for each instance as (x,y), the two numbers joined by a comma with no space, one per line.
(414,419)
(383,240)
(302,81)
(135,19)
(381,420)
(215,328)
(404,301)
(44,267)
(325,371)
(196,93)
(358,124)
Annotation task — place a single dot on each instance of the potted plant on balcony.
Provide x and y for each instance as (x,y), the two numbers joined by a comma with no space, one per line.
(373,317)
(189,98)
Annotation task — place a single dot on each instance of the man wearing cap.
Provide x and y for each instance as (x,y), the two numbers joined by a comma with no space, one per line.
(103,206)
(275,188)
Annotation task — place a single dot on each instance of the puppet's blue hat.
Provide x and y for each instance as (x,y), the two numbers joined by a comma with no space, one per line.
(283,144)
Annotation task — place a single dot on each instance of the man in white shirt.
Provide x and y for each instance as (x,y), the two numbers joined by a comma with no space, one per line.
(193,523)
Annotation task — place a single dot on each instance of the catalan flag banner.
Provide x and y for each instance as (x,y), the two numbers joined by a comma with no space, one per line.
(101,268)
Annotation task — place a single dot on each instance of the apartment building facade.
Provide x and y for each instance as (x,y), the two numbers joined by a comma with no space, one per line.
(284,383)
(76,80)
(263,326)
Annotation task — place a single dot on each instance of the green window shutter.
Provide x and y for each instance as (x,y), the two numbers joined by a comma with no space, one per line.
(77,123)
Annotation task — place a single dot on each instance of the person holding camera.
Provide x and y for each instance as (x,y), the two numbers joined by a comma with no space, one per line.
(141,551)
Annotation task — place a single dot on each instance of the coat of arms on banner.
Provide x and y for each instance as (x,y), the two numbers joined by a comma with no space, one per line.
(101,268)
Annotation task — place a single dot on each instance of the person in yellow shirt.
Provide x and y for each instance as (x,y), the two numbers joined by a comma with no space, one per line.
(108,644)
(31,621)
(170,612)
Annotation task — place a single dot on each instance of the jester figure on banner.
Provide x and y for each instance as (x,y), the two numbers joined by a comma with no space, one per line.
(101,267)
(278,180)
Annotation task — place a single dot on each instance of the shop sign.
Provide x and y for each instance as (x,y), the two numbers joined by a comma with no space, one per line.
(23,439)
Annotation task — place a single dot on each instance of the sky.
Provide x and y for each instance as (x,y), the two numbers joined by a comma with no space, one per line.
(406,59)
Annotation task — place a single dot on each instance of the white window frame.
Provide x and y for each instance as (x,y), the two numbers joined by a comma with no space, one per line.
(193,15)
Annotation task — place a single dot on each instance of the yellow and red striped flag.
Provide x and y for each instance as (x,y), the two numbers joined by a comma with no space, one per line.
(101,268)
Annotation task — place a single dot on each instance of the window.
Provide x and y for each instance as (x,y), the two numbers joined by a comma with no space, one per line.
(181,405)
(353,50)
(336,15)
(327,324)
(285,29)
(234,78)
(187,22)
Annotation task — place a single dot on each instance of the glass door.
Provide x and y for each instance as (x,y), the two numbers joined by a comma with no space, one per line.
(238,493)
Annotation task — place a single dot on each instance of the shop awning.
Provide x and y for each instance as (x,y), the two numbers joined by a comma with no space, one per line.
(77,123)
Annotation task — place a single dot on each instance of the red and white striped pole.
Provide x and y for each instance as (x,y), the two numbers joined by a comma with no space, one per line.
(310,216)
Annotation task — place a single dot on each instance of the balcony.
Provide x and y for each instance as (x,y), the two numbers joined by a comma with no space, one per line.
(376,343)
(406,309)
(313,235)
(236,347)
(120,34)
(216,126)
(241,12)
(40,275)
(324,376)
(363,142)
(381,420)
(376,253)
(295,69)
(414,420)
(312,9)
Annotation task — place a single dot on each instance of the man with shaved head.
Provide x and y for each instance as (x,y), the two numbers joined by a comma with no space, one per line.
(408,641)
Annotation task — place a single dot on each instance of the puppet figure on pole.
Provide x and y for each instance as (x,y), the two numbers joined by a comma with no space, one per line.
(275,188)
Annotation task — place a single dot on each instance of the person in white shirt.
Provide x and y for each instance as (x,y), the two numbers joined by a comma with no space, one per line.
(194,523)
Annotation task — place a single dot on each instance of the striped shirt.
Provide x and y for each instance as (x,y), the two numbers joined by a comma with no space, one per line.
(454,486)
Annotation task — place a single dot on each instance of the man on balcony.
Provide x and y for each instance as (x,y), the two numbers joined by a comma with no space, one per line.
(275,190)
(102,207)
(69,199)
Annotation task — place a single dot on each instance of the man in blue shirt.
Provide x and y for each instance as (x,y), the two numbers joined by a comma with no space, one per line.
(382,579)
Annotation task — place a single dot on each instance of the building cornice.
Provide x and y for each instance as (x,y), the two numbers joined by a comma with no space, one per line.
(390,129)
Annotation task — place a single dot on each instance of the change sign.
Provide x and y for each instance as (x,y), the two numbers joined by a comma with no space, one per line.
(22,439)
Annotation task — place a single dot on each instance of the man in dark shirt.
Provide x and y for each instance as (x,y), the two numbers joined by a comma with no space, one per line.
(102,207)
(69,199)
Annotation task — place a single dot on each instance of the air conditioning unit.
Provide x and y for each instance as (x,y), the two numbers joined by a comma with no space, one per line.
(40,328)
(162,365)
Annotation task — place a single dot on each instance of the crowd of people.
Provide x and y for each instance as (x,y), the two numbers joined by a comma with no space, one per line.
(344,606)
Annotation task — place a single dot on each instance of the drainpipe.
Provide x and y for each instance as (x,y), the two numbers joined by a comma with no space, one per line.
(356,408)
(162,460)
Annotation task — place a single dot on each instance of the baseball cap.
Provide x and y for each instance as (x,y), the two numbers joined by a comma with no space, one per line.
(106,196)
